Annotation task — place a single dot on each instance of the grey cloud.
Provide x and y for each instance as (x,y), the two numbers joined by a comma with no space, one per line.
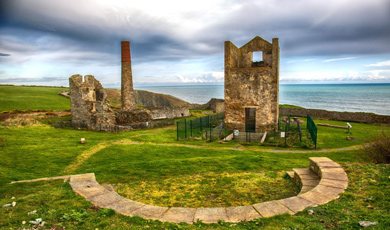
(83,32)
(25,79)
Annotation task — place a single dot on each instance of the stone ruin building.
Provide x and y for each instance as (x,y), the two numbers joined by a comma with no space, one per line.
(252,87)
(89,101)
(91,109)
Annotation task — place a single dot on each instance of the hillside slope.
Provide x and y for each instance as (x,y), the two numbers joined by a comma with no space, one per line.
(145,98)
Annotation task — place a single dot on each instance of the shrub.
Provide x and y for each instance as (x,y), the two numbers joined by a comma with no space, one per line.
(379,148)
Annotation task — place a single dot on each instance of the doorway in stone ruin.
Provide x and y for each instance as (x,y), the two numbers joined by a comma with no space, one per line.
(250,120)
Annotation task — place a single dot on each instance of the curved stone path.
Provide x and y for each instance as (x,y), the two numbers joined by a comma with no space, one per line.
(322,182)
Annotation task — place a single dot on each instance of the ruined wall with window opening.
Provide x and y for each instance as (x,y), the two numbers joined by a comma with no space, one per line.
(252,86)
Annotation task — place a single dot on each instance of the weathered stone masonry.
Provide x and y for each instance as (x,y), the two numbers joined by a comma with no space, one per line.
(90,107)
(252,87)
(127,96)
(89,101)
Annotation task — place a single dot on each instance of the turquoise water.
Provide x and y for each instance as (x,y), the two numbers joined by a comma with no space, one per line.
(341,97)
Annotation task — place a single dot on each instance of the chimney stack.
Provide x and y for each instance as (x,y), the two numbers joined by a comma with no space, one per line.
(127,96)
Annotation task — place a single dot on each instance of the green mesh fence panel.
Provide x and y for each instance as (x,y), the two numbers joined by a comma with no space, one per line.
(202,127)
(312,128)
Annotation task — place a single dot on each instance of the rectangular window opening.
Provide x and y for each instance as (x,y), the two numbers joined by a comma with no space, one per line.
(257,56)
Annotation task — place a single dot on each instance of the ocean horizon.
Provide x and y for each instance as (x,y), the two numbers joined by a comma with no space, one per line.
(359,97)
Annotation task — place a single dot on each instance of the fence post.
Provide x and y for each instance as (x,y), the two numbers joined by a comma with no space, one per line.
(177,128)
(185,129)
(285,132)
(191,127)
(311,126)
(210,131)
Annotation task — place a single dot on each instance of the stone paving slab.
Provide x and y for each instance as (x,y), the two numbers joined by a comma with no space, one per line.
(341,176)
(150,212)
(309,177)
(303,171)
(328,164)
(305,176)
(310,182)
(271,208)
(242,213)
(83,177)
(316,198)
(306,188)
(328,191)
(179,215)
(324,171)
(84,184)
(89,192)
(295,203)
(319,159)
(125,206)
(334,183)
(211,215)
(105,200)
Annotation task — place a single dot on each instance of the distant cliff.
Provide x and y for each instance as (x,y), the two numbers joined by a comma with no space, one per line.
(146,98)
(151,99)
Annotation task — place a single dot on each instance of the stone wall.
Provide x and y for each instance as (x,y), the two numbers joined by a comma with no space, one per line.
(132,117)
(219,107)
(252,85)
(369,118)
(89,101)
(169,112)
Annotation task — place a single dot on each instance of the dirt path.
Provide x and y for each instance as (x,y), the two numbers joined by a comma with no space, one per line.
(72,168)
(130,142)
(85,156)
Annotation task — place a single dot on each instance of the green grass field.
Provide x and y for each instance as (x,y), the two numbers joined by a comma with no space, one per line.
(150,166)
(33,98)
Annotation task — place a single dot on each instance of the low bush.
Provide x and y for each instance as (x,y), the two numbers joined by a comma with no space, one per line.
(379,148)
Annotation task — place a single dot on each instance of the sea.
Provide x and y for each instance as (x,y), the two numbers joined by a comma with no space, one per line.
(374,98)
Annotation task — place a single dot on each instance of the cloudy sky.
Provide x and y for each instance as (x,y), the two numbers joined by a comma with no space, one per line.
(44,42)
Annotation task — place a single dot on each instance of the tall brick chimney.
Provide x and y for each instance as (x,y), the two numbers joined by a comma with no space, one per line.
(127,97)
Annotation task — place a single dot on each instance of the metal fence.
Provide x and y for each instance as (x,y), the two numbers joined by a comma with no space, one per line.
(290,132)
(312,128)
(206,128)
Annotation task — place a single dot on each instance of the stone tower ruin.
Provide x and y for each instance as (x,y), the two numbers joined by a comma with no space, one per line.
(127,90)
(252,87)
(89,102)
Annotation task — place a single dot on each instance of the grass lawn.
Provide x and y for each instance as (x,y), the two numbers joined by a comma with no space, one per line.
(33,98)
(151,167)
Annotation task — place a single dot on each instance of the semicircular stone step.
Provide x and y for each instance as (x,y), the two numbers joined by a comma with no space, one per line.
(322,182)
(306,179)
